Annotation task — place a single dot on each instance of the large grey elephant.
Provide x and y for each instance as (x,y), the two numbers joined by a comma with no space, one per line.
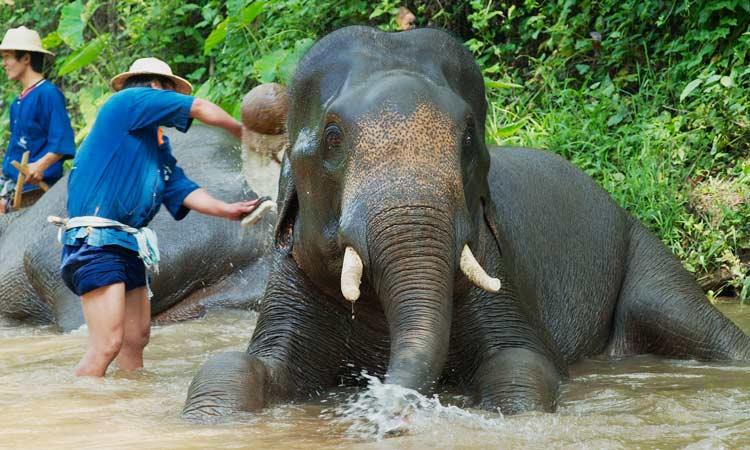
(489,269)
(206,261)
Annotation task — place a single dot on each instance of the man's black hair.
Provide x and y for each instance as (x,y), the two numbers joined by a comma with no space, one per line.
(37,59)
(145,81)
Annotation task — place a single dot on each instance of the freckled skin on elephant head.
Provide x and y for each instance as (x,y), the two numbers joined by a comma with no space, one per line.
(206,262)
(388,165)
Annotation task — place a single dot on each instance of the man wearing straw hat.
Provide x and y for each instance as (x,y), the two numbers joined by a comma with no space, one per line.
(123,172)
(39,122)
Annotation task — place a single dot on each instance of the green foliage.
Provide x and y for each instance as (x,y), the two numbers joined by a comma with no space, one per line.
(652,110)
(649,97)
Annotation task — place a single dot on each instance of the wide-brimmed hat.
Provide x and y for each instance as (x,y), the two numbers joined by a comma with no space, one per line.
(151,66)
(22,38)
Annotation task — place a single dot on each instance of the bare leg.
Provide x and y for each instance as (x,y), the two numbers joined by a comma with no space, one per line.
(104,311)
(137,329)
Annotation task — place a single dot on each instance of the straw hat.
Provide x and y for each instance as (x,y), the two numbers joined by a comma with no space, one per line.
(151,66)
(22,38)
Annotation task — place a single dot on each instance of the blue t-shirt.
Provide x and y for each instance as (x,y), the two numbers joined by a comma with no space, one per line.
(125,170)
(39,124)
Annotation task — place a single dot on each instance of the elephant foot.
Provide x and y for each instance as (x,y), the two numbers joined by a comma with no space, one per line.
(516,380)
(226,384)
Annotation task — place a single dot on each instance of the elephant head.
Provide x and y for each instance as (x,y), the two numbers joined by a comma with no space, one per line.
(384,185)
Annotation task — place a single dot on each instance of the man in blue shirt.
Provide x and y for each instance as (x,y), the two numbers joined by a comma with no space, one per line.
(39,122)
(123,172)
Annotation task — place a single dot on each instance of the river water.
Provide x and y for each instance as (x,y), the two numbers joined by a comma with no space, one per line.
(640,402)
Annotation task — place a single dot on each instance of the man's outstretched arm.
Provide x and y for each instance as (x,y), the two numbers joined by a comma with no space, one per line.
(201,201)
(211,114)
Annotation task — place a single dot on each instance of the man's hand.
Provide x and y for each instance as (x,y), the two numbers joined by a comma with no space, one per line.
(36,169)
(236,211)
(201,201)
(35,172)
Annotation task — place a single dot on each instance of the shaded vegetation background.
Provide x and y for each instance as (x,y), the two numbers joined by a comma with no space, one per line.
(649,97)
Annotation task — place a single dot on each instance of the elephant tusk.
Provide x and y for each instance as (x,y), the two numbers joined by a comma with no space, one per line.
(351,275)
(475,273)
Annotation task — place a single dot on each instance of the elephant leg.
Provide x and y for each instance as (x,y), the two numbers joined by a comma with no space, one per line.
(295,351)
(662,310)
(518,367)
(515,380)
(227,383)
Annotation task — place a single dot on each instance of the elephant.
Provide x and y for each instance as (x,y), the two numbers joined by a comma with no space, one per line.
(206,262)
(408,248)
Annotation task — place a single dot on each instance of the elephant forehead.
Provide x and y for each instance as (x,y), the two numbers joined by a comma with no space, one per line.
(417,139)
(418,148)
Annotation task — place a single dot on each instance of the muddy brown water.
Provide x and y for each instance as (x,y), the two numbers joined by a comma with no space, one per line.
(642,402)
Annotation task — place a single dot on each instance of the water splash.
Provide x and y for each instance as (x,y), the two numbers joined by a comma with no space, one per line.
(387,410)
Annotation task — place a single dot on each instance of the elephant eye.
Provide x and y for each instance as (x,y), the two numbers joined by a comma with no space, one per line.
(332,136)
(468,138)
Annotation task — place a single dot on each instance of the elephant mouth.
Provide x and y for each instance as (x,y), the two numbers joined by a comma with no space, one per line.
(284,233)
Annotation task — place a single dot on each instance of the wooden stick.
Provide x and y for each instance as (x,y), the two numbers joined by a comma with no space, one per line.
(25,171)
(21,181)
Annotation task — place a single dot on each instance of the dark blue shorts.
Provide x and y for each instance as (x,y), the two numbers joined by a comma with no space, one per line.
(85,267)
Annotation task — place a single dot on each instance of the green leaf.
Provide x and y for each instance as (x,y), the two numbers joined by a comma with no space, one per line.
(84,56)
(289,64)
(216,37)
(690,88)
(377,12)
(250,12)
(266,67)
(89,101)
(52,40)
(615,119)
(726,82)
(495,84)
(204,89)
(71,24)
(510,130)
(236,111)
(618,177)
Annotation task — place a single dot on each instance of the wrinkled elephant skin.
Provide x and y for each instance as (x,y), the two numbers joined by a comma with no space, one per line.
(388,165)
(206,261)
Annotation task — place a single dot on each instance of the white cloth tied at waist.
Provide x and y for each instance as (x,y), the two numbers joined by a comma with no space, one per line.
(148,244)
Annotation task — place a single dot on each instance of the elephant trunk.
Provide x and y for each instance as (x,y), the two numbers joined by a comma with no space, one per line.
(413,268)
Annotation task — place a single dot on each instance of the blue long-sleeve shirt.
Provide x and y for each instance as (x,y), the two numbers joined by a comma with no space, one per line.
(39,124)
(125,169)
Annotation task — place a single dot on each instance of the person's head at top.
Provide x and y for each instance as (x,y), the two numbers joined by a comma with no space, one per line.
(153,73)
(23,56)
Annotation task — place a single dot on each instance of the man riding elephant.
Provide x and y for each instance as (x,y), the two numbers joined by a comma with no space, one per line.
(490,269)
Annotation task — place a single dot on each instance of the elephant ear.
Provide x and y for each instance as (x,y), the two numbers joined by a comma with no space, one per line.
(488,208)
(287,206)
